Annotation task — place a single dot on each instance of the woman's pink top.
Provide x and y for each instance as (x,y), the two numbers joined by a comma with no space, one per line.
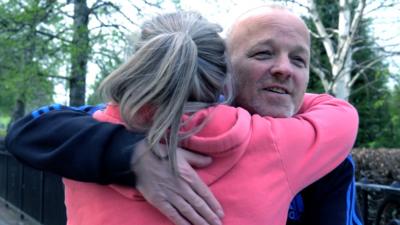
(259,164)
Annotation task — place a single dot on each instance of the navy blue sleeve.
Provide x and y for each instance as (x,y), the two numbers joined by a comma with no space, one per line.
(329,201)
(69,142)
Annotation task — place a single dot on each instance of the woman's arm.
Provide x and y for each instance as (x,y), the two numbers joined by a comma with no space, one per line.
(316,140)
(310,144)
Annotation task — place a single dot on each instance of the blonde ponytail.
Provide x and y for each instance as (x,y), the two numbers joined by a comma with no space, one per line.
(179,67)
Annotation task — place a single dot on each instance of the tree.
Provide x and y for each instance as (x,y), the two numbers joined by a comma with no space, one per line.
(80,50)
(25,53)
(338,38)
(93,43)
(371,95)
(359,77)
(43,43)
(338,46)
(394,107)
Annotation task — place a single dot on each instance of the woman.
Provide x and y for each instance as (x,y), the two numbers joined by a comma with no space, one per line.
(170,90)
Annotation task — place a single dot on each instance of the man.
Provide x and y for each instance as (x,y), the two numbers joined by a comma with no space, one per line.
(269,50)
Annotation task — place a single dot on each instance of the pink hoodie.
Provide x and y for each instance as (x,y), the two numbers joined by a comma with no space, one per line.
(259,164)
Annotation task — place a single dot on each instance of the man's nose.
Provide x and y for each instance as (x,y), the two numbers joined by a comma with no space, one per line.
(282,68)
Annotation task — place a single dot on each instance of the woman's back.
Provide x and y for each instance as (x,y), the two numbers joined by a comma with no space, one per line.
(259,163)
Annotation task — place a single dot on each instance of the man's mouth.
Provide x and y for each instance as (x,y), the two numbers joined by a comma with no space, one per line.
(277,90)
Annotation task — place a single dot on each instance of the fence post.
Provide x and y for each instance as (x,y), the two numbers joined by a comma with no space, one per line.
(364,200)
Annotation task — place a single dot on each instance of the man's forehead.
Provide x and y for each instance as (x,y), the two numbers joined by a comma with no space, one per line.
(261,10)
(297,47)
(285,23)
(261,13)
(259,19)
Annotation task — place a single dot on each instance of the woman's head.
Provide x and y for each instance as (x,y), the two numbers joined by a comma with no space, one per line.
(179,67)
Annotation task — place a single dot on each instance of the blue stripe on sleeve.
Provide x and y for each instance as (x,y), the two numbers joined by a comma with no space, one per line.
(85,108)
(348,207)
(56,106)
(296,208)
(351,200)
(35,114)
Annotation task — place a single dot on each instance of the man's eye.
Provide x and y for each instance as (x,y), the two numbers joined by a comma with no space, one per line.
(262,55)
(299,61)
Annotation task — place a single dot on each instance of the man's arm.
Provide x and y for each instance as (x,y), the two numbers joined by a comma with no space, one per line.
(70,143)
(332,199)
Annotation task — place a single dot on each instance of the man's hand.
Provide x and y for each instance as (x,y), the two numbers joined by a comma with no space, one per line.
(184,199)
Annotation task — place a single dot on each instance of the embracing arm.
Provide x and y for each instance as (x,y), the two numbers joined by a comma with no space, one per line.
(65,140)
(316,140)
(309,145)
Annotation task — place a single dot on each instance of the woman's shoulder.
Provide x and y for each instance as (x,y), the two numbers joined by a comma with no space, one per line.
(220,125)
(216,119)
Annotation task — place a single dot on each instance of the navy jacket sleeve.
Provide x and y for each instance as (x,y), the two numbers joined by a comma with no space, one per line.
(70,143)
(330,201)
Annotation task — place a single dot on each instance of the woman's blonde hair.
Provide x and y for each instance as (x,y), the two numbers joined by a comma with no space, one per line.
(179,67)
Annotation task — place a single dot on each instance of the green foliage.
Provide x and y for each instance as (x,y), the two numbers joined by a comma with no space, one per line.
(25,54)
(394,124)
(37,47)
(371,95)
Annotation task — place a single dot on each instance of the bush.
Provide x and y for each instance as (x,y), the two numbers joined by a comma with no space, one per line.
(381,166)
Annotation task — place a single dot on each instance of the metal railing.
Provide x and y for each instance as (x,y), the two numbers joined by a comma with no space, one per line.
(35,195)
(380,204)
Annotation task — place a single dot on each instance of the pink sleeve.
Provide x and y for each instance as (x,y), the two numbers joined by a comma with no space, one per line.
(314,142)
(309,145)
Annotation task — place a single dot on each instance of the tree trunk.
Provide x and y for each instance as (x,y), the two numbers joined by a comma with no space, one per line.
(18,112)
(339,54)
(79,53)
(340,86)
(341,68)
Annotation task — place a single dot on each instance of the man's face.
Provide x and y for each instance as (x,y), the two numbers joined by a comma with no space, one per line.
(270,54)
